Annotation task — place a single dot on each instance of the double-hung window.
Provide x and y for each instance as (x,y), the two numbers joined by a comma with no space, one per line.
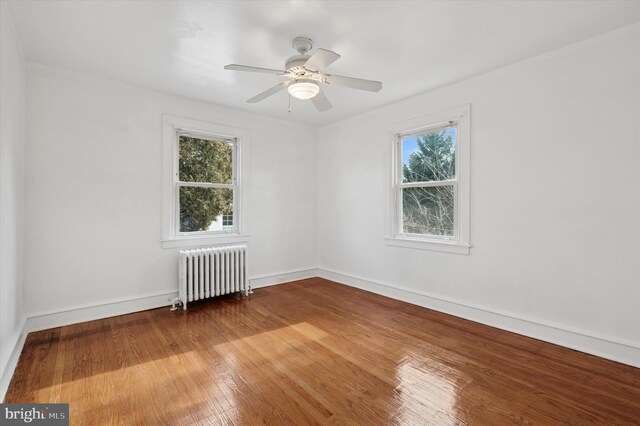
(428,183)
(202,197)
(430,188)
(206,183)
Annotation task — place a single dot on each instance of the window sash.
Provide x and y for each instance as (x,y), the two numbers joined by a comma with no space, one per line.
(400,210)
(178,184)
(429,183)
(206,185)
(429,129)
(432,128)
(231,230)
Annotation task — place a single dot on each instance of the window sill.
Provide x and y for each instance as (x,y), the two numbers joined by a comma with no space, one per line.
(207,240)
(431,245)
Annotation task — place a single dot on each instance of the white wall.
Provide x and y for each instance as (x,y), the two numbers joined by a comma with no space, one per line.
(94,176)
(12,142)
(555,193)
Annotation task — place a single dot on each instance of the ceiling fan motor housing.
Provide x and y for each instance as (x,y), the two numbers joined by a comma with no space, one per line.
(296,61)
(303,45)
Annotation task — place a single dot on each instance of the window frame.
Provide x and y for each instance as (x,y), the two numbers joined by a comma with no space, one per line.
(173,128)
(180,184)
(458,243)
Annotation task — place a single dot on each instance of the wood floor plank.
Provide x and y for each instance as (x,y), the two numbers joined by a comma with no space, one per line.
(316,352)
(492,349)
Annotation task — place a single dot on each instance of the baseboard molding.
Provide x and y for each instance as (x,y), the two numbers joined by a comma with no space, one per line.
(282,277)
(10,368)
(626,352)
(111,308)
(94,311)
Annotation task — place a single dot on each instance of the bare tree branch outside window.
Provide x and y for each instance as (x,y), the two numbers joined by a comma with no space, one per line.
(430,209)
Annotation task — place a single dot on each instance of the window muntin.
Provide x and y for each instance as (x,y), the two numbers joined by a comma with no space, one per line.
(206,189)
(427,182)
(227,221)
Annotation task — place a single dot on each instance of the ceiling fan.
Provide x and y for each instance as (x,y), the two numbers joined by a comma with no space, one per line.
(305,74)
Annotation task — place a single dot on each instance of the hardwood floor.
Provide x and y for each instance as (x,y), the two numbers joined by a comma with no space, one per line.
(311,352)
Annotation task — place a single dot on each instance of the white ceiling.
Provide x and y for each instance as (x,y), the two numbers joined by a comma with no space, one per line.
(411,46)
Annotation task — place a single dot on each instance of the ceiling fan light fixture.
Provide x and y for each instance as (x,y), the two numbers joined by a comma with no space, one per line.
(304,89)
(304,74)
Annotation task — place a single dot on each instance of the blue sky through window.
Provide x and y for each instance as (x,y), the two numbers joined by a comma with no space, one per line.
(410,144)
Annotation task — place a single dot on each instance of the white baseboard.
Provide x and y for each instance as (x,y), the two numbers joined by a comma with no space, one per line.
(17,345)
(94,311)
(110,308)
(282,277)
(626,352)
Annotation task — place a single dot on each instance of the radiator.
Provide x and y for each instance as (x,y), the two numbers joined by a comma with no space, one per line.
(211,272)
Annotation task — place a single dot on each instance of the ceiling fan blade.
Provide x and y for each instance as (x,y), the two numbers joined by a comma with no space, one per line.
(321,102)
(275,89)
(236,67)
(353,83)
(321,59)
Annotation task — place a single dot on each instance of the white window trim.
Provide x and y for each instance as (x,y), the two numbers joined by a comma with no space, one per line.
(460,243)
(172,126)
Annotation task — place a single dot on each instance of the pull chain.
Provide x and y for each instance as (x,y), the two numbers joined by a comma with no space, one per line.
(289,103)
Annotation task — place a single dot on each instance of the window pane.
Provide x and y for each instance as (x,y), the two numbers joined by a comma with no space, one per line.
(430,156)
(428,210)
(202,209)
(203,160)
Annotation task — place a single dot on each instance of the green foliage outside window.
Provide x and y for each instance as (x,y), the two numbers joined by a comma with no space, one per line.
(204,161)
